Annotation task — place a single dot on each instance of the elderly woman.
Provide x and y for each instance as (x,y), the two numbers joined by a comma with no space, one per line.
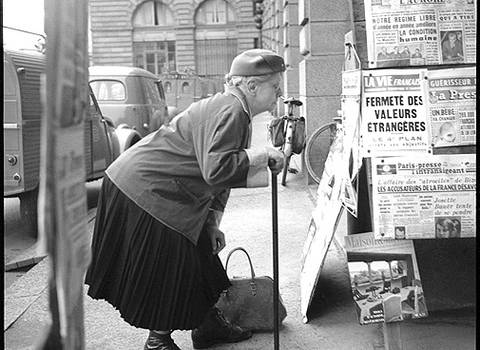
(156,236)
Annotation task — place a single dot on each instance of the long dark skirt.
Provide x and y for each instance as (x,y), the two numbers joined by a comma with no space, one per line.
(152,274)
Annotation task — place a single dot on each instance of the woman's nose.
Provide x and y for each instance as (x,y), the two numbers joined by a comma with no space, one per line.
(279,92)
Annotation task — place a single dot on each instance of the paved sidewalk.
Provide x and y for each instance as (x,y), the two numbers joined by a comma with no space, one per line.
(247,223)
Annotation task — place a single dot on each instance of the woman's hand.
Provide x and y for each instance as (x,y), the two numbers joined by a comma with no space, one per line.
(275,160)
(217,238)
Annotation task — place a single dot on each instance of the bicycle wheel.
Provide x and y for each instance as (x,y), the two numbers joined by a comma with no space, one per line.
(317,148)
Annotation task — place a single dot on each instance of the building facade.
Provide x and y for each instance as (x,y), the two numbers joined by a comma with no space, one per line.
(310,36)
(189,44)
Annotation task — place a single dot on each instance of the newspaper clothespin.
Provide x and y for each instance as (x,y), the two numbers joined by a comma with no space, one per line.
(352,61)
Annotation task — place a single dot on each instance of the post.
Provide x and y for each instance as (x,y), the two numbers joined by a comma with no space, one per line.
(276,337)
(62,195)
(392,336)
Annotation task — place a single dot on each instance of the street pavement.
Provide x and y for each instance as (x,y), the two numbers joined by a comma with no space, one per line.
(247,222)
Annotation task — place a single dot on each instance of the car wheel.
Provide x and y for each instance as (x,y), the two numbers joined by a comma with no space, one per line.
(28,211)
(134,140)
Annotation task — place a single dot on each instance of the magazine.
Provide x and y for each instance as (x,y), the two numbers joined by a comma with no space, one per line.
(384,278)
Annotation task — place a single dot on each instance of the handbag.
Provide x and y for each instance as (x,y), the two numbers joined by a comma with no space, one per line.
(298,139)
(276,131)
(248,302)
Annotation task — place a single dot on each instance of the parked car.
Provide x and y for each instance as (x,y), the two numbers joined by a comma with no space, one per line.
(130,96)
(21,132)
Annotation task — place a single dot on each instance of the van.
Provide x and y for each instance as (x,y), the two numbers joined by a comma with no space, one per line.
(130,96)
(21,132)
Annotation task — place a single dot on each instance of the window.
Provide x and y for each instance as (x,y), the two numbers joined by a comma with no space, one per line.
(161,91)
(154,48)
(108,90)
(214,56)
(215,12)
(215,38)
(9,88)
(151,92)
(156,57)
(153,13)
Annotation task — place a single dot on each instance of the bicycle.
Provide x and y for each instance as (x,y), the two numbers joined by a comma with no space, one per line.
(318,147)
(289,132)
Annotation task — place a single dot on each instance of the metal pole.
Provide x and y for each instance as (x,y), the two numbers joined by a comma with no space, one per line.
(276,338)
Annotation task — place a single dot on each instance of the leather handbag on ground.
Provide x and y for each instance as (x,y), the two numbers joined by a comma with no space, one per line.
(248,303)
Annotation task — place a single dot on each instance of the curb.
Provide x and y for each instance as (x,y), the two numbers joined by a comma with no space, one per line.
(29,257)
(24,292)
(27,289)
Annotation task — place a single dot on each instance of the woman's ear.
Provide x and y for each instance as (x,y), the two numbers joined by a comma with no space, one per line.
(252,87)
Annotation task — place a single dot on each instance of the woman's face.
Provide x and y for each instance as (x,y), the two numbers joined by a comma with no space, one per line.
(447,132)
(266,95)
(442,231)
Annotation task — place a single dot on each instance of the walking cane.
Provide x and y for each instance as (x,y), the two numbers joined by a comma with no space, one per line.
(276,337)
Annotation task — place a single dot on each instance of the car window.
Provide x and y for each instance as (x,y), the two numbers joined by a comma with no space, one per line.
(159,85)
(93,108)
(151,92)
(108,90)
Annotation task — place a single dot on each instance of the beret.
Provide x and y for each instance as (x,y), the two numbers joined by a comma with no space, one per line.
(257,62)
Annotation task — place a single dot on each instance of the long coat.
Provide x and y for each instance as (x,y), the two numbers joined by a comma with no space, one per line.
(183,171)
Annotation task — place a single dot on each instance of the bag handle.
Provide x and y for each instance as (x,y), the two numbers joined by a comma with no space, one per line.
(248,256)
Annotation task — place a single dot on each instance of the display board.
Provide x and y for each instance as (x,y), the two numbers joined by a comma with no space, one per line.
(322,227)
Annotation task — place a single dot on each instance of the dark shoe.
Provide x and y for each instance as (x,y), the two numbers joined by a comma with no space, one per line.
(215,329)
(157,341)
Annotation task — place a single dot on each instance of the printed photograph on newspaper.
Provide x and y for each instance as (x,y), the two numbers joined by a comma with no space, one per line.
(394,118)
(428,197)
(385,280)
(411,32)
(451,105)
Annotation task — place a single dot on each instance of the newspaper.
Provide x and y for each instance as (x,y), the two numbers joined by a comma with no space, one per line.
(451,106)
(394,118)
(428,197)
(384,278)
(420,32)
(351,159)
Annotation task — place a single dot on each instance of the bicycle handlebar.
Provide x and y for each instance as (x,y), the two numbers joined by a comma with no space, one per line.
(293,101)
